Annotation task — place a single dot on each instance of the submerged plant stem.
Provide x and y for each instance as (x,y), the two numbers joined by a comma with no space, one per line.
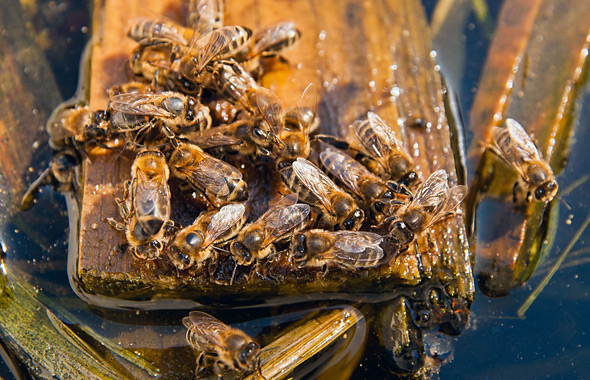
(522,310)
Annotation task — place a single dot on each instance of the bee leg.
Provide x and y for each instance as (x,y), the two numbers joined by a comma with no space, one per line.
(218,367)
(199,366)
(325,270)
(334,141)
(515,193)
(30,196)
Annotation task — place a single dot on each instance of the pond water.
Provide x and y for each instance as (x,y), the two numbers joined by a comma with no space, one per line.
(550,342)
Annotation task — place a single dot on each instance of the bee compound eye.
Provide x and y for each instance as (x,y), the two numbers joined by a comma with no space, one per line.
(175,105)
(194,240)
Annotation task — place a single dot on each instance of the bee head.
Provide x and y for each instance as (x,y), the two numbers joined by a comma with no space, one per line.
(400,233)
(180,260)
(241,254)
(546,192)
(299,249)
(354,221)
(150,251)
(243,351)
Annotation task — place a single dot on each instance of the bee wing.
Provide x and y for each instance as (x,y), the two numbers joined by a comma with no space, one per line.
(432,192)
(308,101)
(346,168)
(207,330)
(205,15)
(449,205)
(390,142)
(214,137)
(275,35)
(152,197)
(280,220)
(166,30)
(213,174)
(316,181)
(226,218)
(218,40)
(139,104)
(356,241)
(270,107)
(355,248)
(515,145)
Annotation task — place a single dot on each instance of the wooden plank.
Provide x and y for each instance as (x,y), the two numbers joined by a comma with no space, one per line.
(363,56)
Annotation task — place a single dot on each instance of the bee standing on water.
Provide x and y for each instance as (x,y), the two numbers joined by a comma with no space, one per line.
(516,147)
(226,346)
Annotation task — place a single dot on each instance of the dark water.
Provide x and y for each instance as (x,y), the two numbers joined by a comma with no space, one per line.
(550,342)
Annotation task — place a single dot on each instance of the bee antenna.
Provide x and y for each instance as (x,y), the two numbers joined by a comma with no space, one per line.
(565,203)
(233,274)
(220,249)
(106,90)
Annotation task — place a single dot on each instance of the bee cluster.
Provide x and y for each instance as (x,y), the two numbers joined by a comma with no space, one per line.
(193,105)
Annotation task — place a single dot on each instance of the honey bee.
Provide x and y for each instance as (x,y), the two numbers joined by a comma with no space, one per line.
(78,126)
(173,111)
(295,128)
(381,144)
(231,81)
(60,174)
(129,87)
(516,147)
(216,179)
(256,240)
(275,39)
(148,28)
(316,188)
(381,198)
(348,249)
(152,60)
(142,244)
(194,244)
(228,347)
(205,15)
(149,190)
(433,202)
(223,43)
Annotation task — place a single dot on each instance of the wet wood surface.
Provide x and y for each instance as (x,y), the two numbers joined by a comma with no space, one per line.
(23,112)
(537,62)
(362,56)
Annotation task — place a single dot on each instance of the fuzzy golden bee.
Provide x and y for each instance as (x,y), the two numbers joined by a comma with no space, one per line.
(381,198)
(339,208)
(227,347)
(194,244)
(348,249)
(515,146)
(216,179)
(433,201)
(256,240)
